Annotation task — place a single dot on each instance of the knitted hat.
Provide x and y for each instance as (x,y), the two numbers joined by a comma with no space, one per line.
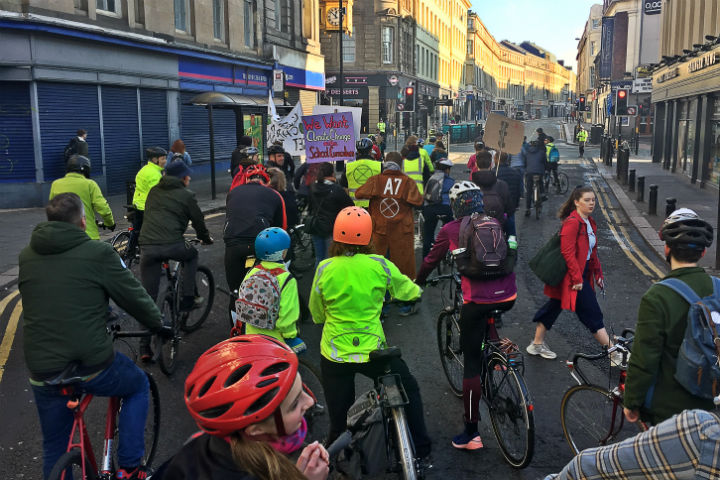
(178,168)
(467,203)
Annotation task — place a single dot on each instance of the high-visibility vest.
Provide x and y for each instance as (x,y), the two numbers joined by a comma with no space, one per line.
(414,169)
(381,127)
(582,135)
(357,173)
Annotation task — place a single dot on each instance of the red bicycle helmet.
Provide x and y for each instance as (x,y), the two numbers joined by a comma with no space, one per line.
(238,382)
(256,173)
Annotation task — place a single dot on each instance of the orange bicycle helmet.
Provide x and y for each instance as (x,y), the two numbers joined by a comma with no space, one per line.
(353,226)
(238,382)
(256,173)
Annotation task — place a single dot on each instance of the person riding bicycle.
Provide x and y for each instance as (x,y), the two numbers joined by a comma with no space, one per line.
(480,296)
(247,397)
(651,390)
(66,281)
(241,161)
(347,297)
(147,177)
(497,202)
(359,171)
(77,180)
(553,158)
(169,207)
(279,158)
(534,162)
(437,201)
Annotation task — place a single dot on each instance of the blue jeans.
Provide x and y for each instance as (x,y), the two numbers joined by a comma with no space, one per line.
(322,246)
(121,379)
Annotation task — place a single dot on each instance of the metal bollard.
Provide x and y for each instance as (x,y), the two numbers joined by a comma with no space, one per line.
(670,205)
(652,200)
(631,180)
(641,189)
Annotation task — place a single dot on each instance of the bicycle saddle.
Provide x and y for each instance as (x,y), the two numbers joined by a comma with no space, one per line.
(66,377)
(385,354)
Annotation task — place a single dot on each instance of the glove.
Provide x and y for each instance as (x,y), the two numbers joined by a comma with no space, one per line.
(165,333)
(297,345)
(111,227)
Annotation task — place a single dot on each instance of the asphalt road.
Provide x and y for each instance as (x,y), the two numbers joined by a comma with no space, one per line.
(629,267)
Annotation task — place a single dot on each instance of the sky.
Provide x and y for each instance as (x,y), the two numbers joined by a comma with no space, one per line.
(552,25)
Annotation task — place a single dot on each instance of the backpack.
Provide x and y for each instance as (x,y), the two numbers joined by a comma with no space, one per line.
(258,302)
(697,368)
(483,248)
(554,156)
(70,149)
(493,203)
(433,189)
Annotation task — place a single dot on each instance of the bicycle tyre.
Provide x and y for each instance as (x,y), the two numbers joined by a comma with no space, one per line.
(564,183)
(317,418)
(303,251)
(451,357)
(204,287)
(72,461)
(120,243)
(403,445)
(586,415)
(168,349)
(511,411)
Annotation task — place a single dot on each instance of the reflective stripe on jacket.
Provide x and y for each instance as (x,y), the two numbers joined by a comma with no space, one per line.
(357,173)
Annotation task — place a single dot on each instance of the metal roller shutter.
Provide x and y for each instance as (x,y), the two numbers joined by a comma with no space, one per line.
(17,162)
(196,133)
(64,108)
(308,98)
(153,108)
(122,136)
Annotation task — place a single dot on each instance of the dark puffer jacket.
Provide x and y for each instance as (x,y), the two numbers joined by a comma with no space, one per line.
(534,158)
(496,195)
(513,178)
(326,200)
(251,208)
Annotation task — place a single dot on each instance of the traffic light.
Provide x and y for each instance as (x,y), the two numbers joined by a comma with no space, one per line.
(409,99)
(621,102)
(581,104)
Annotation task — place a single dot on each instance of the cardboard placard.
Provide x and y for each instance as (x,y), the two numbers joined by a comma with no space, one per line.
(329,137)
(503,134)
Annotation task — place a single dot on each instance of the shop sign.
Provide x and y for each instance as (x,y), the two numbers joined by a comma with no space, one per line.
(330,80)
(669,75)
(642,85)
(652,7)
(329,137)
(707,60)
(346,91)
(278,80)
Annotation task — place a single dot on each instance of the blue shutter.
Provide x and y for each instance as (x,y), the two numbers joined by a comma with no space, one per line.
(17,162)
(153,107)
(122,136)
(196,133)
(64,108)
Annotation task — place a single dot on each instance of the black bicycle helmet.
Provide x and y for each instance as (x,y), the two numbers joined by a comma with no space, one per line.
(79,164)
(364,146)
(275,150)
(155,152)
(685,229)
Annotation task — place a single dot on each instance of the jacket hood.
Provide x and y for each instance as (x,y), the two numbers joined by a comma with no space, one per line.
(168,182)
(484,178)
(534,148)
(51,238)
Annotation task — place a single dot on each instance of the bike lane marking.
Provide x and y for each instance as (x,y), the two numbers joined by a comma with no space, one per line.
(10,330)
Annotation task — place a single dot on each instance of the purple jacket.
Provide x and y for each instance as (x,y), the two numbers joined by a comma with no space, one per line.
(477,291)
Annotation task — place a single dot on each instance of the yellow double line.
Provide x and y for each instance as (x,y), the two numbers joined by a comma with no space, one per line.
(647,267)
(9,337)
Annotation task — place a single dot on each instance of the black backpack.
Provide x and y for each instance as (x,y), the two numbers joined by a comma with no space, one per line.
(71,149)
(493,203)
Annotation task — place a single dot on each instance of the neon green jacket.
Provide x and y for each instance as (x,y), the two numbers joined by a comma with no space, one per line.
(289,304)
(426,160)
(91,196)
(347,296)
(582,136)
(146,178)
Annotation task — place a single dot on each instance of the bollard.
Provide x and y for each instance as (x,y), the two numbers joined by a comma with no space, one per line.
(670,205)
(641,189)
(626,165)
(631,180)
(652,200)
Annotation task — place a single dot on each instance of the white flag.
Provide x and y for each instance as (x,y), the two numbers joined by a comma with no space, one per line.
(289,131)
(272,113)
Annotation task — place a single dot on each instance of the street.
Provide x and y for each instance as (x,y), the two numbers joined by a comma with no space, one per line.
(628,264)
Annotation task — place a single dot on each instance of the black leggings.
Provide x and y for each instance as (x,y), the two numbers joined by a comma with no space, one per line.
(473,324)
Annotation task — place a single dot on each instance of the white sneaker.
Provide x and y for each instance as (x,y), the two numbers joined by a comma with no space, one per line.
(616,359)
(541,349)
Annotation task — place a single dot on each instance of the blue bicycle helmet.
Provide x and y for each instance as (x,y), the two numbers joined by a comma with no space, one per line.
(270,244)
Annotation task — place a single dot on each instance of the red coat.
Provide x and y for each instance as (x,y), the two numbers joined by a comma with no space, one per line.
(574,246)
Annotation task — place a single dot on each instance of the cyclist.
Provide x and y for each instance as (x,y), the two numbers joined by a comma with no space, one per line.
(170,206)
(347,296)
(240,162)
(497,202)
(77,180)
(358,172)
(437,200)
(247,396)
(651,391)
(553,158)
(66,280)
(480,296)
(582,138)
(279,158)
(534,161)
(146,178)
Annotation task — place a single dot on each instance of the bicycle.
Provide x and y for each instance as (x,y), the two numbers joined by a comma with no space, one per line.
(122,240)
(302,252)
(537,197)
(592,415)
(561,186)
(169,304)
(504,389)
(79,461)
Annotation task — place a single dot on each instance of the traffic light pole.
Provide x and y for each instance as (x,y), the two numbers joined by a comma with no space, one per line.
(340,42)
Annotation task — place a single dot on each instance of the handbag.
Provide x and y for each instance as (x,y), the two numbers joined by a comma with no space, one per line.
(548,264)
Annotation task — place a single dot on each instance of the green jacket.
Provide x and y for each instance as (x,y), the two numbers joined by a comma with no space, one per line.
(289,305)
(169,208)
(347,296)
(582,136)
(65,281)
(662,319)
(426,160)
(146,178)
(91,196)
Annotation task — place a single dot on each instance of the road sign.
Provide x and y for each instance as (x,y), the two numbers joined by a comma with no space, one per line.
(444,102)
(400,107)
(632,110)
(503,134)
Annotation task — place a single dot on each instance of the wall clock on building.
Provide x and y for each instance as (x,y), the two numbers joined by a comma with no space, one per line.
(333,16)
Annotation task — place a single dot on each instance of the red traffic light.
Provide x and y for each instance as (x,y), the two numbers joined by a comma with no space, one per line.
(622,93)
(409,91)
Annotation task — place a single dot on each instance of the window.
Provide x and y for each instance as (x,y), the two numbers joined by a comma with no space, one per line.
(139,11)
(219,19)
(182,15)
(596,23)
(470,47)
(81,5)
(348,49)
(108,6)
(309,18)
(278,15)
(592,48)
(387,44)
(249,22)
(592,76)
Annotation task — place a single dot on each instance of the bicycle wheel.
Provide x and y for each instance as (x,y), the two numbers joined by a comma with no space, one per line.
(69,466)
(317,418)
(303,251)
(451,356)
(168,349)
(205,289)
(563,183)
(402,444)
(591,417)
(120,243)
(511,411)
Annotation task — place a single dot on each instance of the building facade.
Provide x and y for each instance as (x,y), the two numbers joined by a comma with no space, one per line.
(588,49)
(686,91)
(126,71)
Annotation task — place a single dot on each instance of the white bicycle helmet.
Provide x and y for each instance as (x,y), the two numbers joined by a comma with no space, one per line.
(461,187)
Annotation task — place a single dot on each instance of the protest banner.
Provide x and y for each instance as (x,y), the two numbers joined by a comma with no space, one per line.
(356,114)
(288,130)
(329,137)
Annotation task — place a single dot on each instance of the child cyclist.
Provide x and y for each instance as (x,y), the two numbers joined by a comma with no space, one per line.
(347,296)
(246,394)
(271,247)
